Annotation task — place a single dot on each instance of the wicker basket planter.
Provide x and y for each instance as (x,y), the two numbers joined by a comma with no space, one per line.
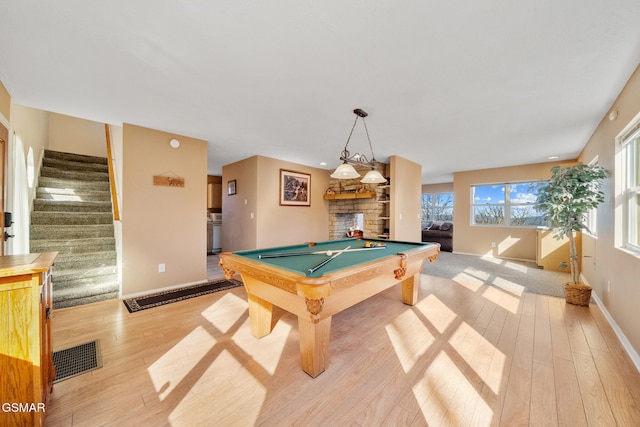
(577,294)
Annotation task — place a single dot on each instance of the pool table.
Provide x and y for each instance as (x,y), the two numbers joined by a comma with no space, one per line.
(281,276)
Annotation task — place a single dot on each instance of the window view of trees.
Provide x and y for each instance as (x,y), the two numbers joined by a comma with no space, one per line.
(437,207)
(509,205)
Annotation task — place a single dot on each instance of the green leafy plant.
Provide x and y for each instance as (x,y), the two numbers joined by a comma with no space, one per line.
(565,201)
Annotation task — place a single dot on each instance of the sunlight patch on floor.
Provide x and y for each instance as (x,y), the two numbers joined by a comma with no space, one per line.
(220,382)
(170,370)
(266,351)
(478,353)
(468,281)
(437,312)
(409,337)
(436,392)
(502,298)
(509,286)
(225,312)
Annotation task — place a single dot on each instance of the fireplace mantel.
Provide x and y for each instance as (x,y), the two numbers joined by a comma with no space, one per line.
(342,196)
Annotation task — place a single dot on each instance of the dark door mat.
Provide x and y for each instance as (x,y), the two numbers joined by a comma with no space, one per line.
(167,297)
(77,360)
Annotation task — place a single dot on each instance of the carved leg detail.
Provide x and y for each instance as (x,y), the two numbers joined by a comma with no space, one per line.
(314,307)
(228,273)
(402,270)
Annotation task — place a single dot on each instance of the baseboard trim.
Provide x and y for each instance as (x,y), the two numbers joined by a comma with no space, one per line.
(533,261)
(633,354)
(168,288)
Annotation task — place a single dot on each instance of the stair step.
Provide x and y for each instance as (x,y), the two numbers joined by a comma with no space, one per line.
(70,297)
(51,154)
(46,171)
(81,185)
(75,246)
(39,232)
(66,282)
(71,218)
(72,261)
(70,206)
(69,165)
(64,194)
(70,274)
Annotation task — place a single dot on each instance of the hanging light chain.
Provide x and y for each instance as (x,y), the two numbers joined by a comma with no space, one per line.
(359,158)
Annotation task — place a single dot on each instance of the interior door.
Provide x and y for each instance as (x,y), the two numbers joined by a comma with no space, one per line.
(4,137)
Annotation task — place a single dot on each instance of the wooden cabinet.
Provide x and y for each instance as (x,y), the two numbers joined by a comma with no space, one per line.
(214,192)
(26,351)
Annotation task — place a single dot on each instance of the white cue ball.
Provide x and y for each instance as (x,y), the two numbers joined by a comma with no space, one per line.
(329,253)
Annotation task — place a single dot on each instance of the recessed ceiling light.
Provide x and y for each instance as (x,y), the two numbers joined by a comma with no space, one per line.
(553,157)
(323,163)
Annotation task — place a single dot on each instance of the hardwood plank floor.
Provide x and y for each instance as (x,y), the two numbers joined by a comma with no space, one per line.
(465,355)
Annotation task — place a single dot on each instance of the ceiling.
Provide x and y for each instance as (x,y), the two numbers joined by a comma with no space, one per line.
(451,85)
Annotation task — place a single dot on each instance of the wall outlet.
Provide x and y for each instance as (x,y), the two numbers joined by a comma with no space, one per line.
(493,244)
(161,268)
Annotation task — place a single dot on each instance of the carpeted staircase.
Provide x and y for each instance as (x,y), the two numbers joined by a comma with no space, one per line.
(72,215)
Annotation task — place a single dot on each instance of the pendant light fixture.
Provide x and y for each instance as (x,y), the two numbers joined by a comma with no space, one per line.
(346,169)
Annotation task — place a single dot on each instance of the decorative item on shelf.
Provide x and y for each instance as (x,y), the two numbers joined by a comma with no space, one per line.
(565,201)
(346,170)
(330,191)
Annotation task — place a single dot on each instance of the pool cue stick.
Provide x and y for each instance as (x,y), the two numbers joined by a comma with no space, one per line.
(287,254)
(326,261)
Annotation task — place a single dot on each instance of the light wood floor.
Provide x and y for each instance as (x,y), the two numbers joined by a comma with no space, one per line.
(465,355)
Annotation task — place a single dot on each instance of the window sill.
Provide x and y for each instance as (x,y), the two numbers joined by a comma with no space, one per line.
(629,251)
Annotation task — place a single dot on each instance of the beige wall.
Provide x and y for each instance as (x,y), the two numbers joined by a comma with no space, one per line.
(510,242)
(74,135)
(613,272)
(239,230)
(445,187)
(162,224)
(5,102)
(406,207)
(32,126)
(257,182)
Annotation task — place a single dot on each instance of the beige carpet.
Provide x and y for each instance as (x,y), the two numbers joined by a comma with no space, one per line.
(514,276)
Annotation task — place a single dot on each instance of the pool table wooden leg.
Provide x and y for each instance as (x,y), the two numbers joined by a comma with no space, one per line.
(260,312)
(314,344)
(410,287)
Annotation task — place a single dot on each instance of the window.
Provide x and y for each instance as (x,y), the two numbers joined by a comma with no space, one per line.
(437,207)
(591,218)
(509,205)
(631,186)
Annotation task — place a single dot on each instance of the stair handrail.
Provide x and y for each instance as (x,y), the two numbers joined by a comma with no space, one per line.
(112,180)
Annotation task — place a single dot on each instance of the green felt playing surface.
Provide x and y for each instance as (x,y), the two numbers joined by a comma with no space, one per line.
(300,264)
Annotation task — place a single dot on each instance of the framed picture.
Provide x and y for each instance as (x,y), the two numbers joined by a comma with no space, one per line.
(295,188)
(231,187)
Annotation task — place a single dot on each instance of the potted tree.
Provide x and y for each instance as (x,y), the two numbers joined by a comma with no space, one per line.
(565,201)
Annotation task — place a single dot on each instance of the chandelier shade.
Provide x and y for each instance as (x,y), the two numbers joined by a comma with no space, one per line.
(373,177)
(346,169)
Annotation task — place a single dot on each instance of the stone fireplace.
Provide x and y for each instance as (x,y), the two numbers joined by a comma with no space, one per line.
(364,211)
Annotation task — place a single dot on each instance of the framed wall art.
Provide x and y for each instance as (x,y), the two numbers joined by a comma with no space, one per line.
(295,188)
(231,187)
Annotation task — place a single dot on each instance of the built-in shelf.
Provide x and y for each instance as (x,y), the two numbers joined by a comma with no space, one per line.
(339,196)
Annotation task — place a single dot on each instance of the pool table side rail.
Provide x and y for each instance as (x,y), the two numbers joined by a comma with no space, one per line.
(323,286)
